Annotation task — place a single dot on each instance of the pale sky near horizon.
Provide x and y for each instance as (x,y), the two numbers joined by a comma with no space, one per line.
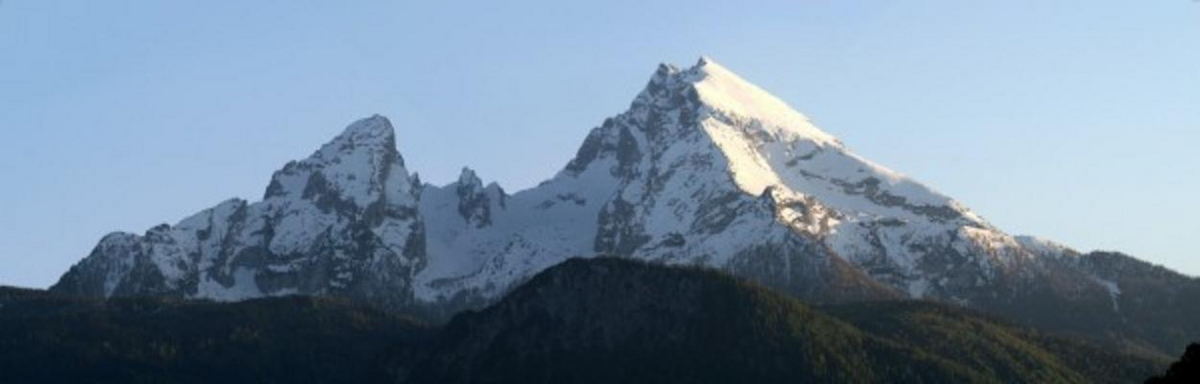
(1074,121)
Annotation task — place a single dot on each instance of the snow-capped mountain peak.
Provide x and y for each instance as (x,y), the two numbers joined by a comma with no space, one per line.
(355,167)
(766,143)
(704,168)
(342,221)
(725,91)
(373,134)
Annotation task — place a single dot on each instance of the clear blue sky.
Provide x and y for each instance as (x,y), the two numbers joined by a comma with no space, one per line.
(1074,121)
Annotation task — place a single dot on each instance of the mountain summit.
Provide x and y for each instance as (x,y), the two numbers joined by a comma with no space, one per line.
(344,221)
(704,169)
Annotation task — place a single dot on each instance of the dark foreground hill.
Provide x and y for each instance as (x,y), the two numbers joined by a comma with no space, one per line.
(46,339)
(1186,370)
(596,320)
(615,320)
(990,345)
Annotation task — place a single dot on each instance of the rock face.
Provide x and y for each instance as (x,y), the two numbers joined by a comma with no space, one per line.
(342,222)
(703,169)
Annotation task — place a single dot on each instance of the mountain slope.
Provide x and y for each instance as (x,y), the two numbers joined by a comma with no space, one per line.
(704,168)
(617,320)
(987,344)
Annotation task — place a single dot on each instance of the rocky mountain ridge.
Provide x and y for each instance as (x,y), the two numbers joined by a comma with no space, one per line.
(704,169)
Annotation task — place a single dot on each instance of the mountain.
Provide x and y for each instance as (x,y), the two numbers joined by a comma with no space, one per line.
(342,222)
(616,320)
(703,169)
(990,344)
(1186,370)
(55,339)
(601,319)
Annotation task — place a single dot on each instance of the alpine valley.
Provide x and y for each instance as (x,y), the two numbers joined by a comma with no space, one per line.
(703,170)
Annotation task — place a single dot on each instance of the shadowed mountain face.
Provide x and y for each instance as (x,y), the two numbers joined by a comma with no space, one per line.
(703,169)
